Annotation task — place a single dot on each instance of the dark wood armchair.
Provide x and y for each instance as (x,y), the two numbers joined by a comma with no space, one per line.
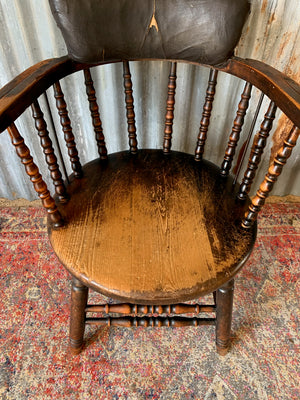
(153,228)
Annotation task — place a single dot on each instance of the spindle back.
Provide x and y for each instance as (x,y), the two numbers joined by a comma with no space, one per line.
(17,95)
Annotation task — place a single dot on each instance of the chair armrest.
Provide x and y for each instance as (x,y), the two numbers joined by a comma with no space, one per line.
(284,91)
(19,93)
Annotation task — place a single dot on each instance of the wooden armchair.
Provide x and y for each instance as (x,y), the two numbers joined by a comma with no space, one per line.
(153,228)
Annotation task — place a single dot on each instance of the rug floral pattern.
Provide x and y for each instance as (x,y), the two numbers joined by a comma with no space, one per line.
(151,363)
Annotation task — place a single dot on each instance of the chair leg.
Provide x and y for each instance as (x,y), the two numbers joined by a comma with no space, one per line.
(224,302)
(79,296)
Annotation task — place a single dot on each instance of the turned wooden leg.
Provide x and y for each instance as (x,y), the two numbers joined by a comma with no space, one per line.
(224,300)
(79,296)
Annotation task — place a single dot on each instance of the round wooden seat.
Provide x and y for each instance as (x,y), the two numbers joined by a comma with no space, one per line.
(152,228)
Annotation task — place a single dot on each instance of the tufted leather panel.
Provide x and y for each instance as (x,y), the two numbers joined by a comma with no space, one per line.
(204,31)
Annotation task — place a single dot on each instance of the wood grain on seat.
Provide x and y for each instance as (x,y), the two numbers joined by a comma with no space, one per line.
(152,228)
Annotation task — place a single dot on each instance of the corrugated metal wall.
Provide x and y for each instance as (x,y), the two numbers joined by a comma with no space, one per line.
(28,35)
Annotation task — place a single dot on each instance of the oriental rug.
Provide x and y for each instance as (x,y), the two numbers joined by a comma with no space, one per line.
(148,363)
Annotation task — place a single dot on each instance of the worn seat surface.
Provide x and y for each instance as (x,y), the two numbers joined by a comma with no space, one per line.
(152,227)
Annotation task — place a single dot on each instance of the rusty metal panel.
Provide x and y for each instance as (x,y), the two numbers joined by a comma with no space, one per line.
(28,35)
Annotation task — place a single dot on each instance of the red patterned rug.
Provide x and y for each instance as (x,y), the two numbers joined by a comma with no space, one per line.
(151,363)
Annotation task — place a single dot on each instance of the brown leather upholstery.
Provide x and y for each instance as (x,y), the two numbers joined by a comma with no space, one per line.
(204,31)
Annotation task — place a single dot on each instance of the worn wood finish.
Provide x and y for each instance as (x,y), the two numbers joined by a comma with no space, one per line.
(94,109)
(67,130)
(19,93)
(170,109)
(157,207)
(127,308)
(259,144)
(236,130)
(150,321)
(207,108)
(36,178)
(129,108)
(284,91)
(48,150)
(79,296)
(271,177)
(224,298)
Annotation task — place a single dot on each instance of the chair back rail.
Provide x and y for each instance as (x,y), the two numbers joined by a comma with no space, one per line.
(29,85)
(18,94)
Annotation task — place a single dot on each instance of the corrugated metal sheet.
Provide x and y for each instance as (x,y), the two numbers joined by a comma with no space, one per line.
(28,34)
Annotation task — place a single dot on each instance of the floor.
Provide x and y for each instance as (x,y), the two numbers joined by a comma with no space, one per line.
(134,364)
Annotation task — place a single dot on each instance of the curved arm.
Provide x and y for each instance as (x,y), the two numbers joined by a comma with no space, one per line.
(20,92)
(281,89)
